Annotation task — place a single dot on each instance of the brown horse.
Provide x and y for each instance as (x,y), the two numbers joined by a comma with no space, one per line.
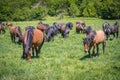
(15,32)
(33,38)
(42,27)
(80,26)
(94,39)
(2,28)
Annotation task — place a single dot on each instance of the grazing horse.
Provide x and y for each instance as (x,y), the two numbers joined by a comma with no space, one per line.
(2,28)
(15,32)
(94,38)
(33,38)
(65,29)
(50,34)
(114,30)
(80,26)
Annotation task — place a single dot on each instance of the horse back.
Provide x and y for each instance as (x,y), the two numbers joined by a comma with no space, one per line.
(99,37)
(37,37)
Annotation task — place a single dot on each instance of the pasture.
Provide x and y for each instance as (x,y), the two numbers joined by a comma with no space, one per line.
(63,59)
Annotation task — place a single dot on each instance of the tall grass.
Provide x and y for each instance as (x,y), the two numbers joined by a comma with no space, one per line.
(63,59)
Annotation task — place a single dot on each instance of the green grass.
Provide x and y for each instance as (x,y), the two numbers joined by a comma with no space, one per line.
(63,59)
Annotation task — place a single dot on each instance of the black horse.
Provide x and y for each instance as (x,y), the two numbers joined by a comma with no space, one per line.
(67,29)
(50,34)
(114,30)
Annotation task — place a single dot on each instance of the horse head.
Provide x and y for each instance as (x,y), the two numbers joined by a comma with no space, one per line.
(89,40)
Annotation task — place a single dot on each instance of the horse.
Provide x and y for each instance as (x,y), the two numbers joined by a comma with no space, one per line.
(32,38)
(80,26)
(65,29)
(114,30)
(50,34)
(106,29)
(15,31)
(93,39)
(2,28)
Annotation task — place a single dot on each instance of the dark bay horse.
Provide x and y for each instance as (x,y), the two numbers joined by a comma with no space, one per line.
(114,30)
(2,28)
(93,39)
(33,38)
(15,31)
(65,29)
(80,26)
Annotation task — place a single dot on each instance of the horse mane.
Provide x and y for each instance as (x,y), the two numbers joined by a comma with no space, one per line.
(30,37)
(88,30)
(91,36)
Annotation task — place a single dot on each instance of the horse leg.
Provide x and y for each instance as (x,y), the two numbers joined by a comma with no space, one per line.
(11,37)
(97,54)
(23,56)
(33,52)
(93,51)
(117,34)
(113,35)
(103,46)
(53,37)
(89,52)
(36,52)
(40,46)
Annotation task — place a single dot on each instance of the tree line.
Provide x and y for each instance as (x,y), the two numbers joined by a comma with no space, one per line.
(21,10)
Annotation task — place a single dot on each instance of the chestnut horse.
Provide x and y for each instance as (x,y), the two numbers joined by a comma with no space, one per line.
(15,32)
(80,26)
(42,27)
(33,38)
(94,38)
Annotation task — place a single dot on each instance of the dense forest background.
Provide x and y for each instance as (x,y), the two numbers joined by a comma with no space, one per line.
(21,10)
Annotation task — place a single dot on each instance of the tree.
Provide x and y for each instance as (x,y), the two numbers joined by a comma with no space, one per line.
(73,10)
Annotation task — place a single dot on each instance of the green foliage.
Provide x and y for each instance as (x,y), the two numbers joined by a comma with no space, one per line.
(20,10)
(73,10)
(39,13)
(90,11)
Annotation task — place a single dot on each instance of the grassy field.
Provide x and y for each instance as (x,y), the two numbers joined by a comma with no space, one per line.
(63,59)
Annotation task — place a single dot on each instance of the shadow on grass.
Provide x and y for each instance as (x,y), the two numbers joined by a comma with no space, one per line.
(85,57)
